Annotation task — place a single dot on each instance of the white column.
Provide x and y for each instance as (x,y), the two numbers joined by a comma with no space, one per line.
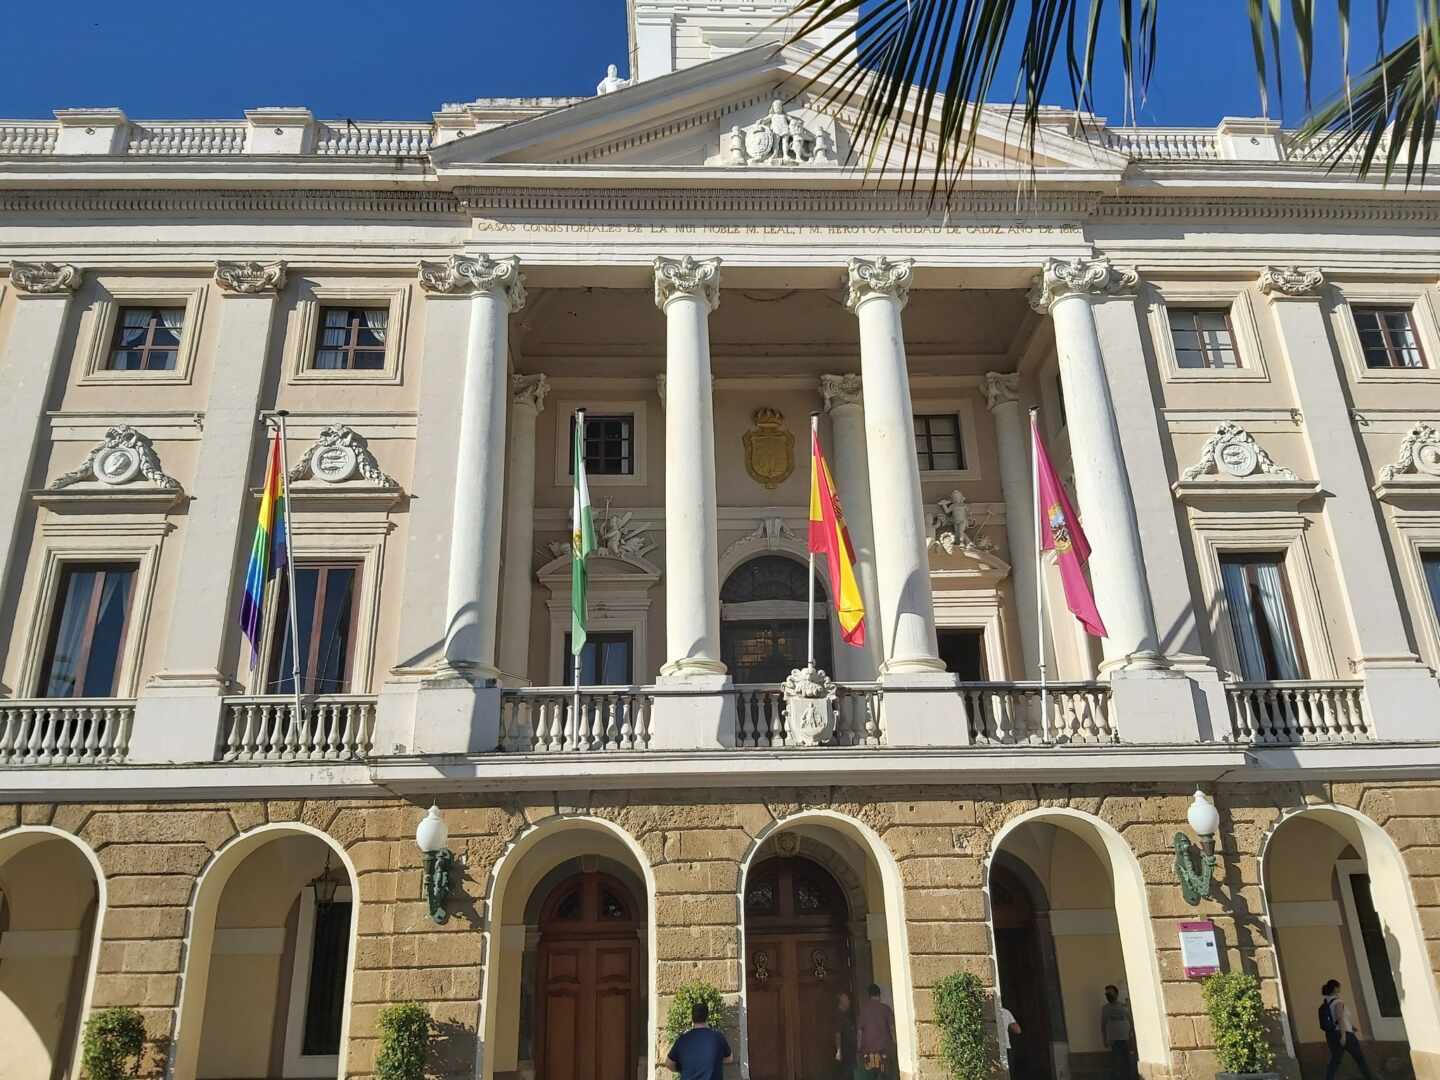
(842,395)
(878,291)
(1402,695)
(687,290)
(527,401)
(170,724)
(40,293)
(1012,438)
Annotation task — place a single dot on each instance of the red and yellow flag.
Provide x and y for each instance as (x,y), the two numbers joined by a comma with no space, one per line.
(830,537)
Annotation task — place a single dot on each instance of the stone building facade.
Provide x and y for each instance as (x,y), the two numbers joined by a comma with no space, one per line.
(1232,354)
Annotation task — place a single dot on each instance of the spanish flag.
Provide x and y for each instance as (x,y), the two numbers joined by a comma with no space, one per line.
(830,537)
(267,551)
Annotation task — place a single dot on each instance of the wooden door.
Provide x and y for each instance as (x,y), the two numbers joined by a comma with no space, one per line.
(590,981)
(797,964)
(1023,978)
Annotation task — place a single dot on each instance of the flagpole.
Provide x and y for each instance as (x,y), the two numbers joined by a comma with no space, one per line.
(576,558)
(294,602)
(810,611)
(1039,569)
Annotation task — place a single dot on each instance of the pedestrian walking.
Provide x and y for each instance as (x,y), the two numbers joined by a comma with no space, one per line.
(1342,1035)
(875,1037)
(1009,1032)
(845,1036)
(1115,1033)
(702,1052)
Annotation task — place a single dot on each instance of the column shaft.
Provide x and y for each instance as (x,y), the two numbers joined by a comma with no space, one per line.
(516,589)
(852,478)
(1012,437)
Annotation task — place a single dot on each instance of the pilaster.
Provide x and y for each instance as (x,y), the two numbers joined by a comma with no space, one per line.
(527,401)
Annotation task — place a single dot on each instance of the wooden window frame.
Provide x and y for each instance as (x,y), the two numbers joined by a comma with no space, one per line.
(1417,298)
(52,633)
(1236,300)
(638,410)
(625,418)
(353,324)
(1205,353)
(280,627)
(306,324)
(1392,350)
(1249,560)
(98,332)
(926,458)
(597,636)
(148,346)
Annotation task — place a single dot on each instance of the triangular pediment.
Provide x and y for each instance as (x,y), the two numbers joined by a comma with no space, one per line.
(750,112)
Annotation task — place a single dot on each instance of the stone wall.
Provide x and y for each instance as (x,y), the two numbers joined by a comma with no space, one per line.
(696,844)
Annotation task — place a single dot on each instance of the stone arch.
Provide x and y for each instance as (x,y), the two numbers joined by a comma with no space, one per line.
(1394,900)
(510,876)
(14,842)
(1132,911)
(205,898)
(891,902)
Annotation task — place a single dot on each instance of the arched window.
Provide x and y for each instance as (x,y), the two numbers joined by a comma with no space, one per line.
(763,617)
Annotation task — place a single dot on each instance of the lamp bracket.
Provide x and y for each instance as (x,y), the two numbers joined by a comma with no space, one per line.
(1194,880)
(437,882)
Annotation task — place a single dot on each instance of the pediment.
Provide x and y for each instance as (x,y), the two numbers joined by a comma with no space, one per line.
(719,115)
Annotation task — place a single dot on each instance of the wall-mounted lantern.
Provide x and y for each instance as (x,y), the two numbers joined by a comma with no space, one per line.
(1205,821)
(431,837)
(325,886)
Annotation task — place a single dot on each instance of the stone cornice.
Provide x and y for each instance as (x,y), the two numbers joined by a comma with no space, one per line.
(1060,278)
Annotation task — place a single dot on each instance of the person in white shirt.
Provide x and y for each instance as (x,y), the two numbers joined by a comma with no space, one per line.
(1341,1033)
(1007,1031)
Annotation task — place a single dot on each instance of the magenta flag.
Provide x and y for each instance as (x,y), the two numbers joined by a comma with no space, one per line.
(1061,533)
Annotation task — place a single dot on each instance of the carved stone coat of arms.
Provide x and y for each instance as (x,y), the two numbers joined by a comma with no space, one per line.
(769,449)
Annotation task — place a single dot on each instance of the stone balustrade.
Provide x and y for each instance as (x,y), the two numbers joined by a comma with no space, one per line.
(1022,714)
(332,728)
(547,721)
(1298,713)
(69,731)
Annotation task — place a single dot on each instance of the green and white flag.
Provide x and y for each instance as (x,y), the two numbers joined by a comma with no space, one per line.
(582,543)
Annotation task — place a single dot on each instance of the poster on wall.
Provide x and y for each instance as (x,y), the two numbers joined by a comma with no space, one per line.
(1197,949)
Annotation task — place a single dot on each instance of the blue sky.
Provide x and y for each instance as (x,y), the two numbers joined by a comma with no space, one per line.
(384,59)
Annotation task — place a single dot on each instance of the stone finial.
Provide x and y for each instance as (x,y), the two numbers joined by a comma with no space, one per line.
(341,454)
(250,278)
(1233,452)
(124,457)
(840,390)
(529,390)
(44,278)
(1291,281)
(476,273)
(1059,278)
(880,276)
(687,276)
(1000,388)
(1419,453)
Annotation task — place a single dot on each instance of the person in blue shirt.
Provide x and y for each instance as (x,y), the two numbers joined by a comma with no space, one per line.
(702,1052)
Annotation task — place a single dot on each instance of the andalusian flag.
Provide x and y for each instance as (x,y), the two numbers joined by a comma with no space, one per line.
(267,552)
(830,537)
(582,542)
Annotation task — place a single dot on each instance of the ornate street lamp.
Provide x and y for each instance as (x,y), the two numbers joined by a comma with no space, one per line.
(431,837)
(1205,821)
(325,886)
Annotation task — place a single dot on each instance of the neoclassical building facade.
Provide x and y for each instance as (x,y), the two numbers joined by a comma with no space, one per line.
(1235,358)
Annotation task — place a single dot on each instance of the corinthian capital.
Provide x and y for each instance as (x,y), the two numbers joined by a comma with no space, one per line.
(1001,388)
(476,273)
(1291,281)
(880,276)
(529,390)
(46,278)
(250,278)
(687,276)
(838,390)
(1078,277)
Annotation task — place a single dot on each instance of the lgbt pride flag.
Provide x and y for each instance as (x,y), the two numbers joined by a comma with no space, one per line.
(830,537)
(267,552)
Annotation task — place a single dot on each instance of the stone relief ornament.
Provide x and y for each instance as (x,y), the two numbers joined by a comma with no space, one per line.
(1290,281)
(952,526)
(1233,452)
(769,449)
(819,964)
(839,390)
(809,707)
(617,536)
(772,531)
(1419,453)
(476,273)
(44,278)
(762,965)
(124,457)
(340,455)
(1059,278)
(250,278)
(687,276)
(529,390)
(778,138)
(880,276)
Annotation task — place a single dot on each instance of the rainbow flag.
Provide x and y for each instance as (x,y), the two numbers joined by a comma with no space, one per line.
(830,537)
(267,552)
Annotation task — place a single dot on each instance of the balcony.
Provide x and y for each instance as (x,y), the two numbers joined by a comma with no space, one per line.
(332,728)
(66,731)
(1297,713)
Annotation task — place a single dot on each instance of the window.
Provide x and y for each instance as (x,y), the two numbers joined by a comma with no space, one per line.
(1388,337)
(1372,937)
(87,631)
(146,339)
(606,660)
(325,996)
(1203,338)
(325,621)
(764,632)
(937,442)
(1262,617)
(351,339)
(609,445)
(1430,563)
(963,652)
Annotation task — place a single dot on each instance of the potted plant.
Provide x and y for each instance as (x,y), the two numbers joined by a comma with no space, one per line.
(677,1020)
(113,1037)
(1237,1019)
(960,1015)
(404,1040)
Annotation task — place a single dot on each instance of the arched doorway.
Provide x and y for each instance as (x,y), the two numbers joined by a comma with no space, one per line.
(590,983)
(1025,958)
(763,612)
(798,960)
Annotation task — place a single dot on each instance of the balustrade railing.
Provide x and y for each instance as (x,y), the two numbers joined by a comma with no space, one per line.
(1296,713)
(28,138)
(187,139)
(1009,714)
(332,728)
(71,731)
(760,716)
(1163,144)
(373,140)
(545,720)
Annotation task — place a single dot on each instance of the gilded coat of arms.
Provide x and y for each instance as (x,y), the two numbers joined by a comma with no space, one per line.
(769,449)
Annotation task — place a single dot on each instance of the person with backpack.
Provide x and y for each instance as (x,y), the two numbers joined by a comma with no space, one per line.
(1341,1033)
